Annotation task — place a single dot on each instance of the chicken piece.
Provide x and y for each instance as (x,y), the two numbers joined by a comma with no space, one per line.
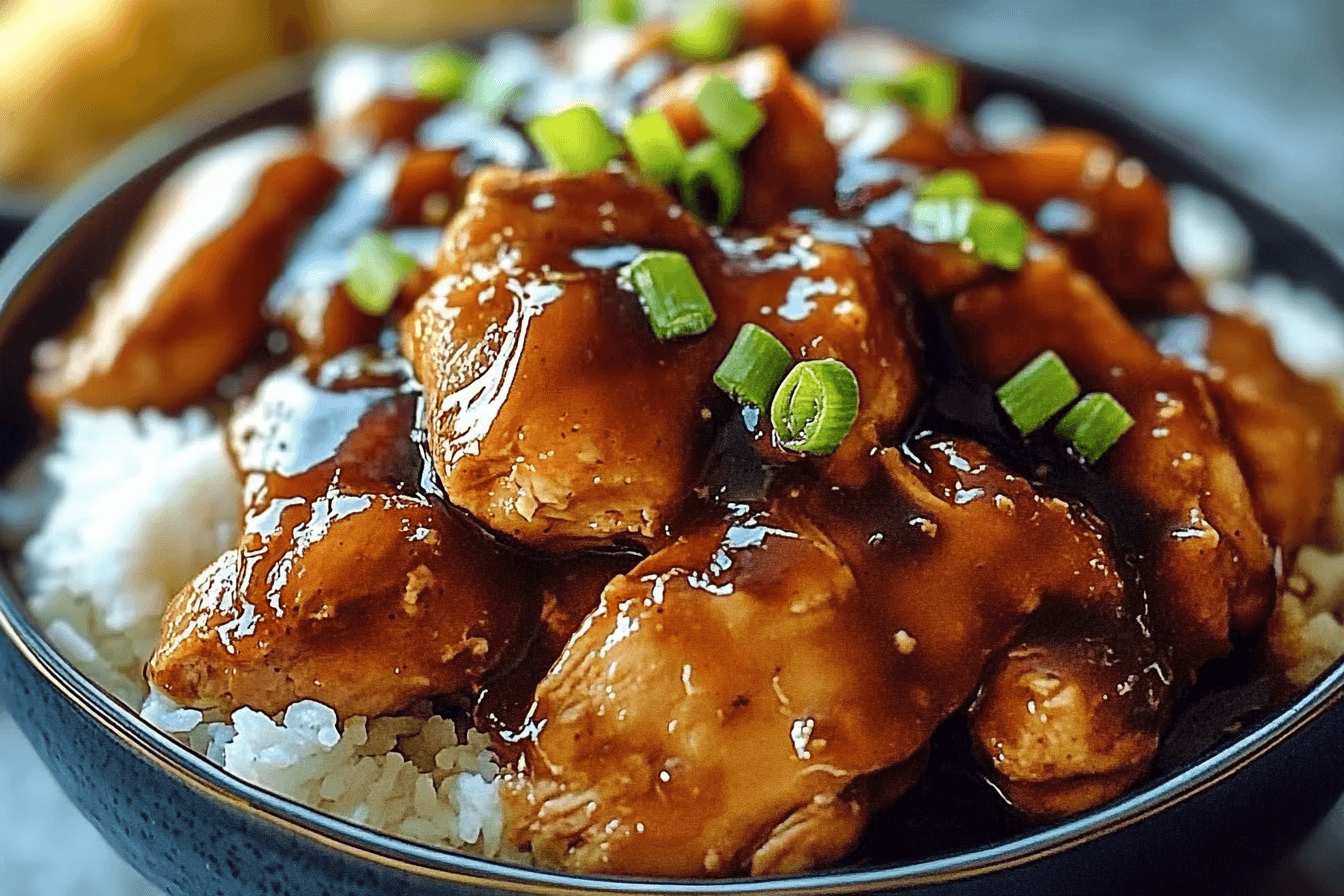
(1288,431)
(795,26)
(1123,236)
(1070,716)
(333,490)
(184,305)
(828,300)
(718,711)
(1205,557)
(553,413)
(571,589)
(309,300)
(790,163)
(429,189)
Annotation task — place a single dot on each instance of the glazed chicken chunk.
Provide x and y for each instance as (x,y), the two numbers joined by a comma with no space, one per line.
(334,490)
(185,306)
(801,634)
(554,414)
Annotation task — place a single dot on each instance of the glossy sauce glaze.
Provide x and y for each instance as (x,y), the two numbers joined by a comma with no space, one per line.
(704,655)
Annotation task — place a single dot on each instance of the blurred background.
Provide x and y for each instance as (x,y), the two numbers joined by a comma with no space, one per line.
(1255,89)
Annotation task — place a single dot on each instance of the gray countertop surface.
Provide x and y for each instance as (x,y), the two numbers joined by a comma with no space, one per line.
(1254,88)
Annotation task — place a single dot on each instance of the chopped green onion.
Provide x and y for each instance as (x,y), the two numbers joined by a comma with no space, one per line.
(929,88)
(377,271)
(1037,392)
(707,32)
(941,220)
(671,294)
(1094,424)
(728,114)
(995,233)
(870,91)
(574,139)
(615,12)
(442,73)
(953,183)
(711,168)
(492,93)
(815,406)
(754,367)
(654,143)
(998,235)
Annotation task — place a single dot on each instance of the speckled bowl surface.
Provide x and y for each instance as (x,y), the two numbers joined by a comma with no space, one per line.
(1205,824)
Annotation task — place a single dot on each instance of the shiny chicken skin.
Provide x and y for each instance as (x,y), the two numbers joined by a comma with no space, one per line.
(799,634)
(332,487)
(185,306)
(539,369)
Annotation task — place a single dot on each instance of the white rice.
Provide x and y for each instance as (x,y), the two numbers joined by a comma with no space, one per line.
(147,501)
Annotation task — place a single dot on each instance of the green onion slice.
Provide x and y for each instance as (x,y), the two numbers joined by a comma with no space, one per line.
(615,12)
(707,32)
(941,220)
(998,235)
(492,93)
(671,294)
(815,406)
(928,88)
(574,139)
(377,271)
(1037,392)
(442,73)
(1094,424)
(728,114)
(870,91)
(931,89)
(754,367)
(656,148)
(952,183)
(711,182)
(995,233)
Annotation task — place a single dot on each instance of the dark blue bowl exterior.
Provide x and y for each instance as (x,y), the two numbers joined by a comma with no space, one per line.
(193,832)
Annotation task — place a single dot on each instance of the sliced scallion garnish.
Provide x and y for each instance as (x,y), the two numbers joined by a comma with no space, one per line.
(711,182)
(377,271)
(870,91)
(995,233)
(728,114)
(614,12)
(754,367)
(671,294)
(1094,424)
(1037,392)
(707,32)
(951,183)
(941,220)
(442,73)
(574,139)
(654,143)
(998,235)
(929,88)
(815,406)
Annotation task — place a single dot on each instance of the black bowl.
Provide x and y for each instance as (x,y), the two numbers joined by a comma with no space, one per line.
(191,828)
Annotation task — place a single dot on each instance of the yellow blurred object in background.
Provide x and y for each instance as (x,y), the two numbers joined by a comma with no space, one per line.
(80,76)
